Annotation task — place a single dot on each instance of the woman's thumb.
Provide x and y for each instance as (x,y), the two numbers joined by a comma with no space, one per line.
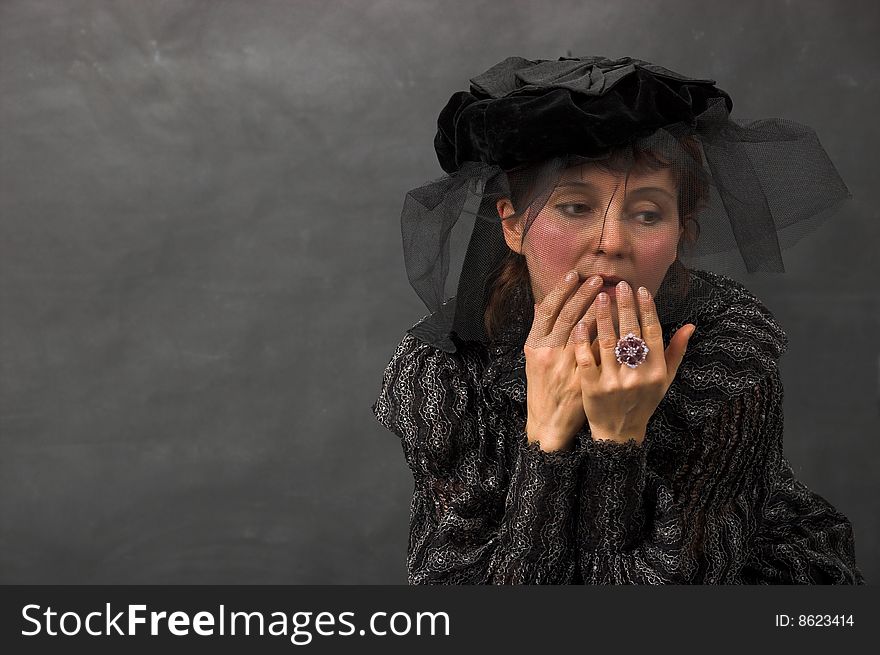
(677,347)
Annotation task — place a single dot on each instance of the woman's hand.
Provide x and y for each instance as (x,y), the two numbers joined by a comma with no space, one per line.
(619,400)
(554,405)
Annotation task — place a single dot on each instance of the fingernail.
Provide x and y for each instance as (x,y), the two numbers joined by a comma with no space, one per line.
(643,292)
(622,286)
(603,298)
(571,277)
(595,281)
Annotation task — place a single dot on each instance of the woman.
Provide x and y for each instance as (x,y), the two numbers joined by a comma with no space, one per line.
(563,428)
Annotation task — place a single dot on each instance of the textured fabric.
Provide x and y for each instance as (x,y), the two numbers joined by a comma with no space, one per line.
(707,498)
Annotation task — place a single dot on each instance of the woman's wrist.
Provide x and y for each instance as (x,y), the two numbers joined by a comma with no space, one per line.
(613,481)
(618,437)
(550,439)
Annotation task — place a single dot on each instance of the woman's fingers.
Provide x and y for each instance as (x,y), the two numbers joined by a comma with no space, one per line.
(561,309)
(652,333)
(589,319)
(627,312)
(607,337)
(548,309)
(573,311)
(588,335)
(644,324)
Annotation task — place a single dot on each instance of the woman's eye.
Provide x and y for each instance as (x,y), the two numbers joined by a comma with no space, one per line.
(578,208)
(652,217)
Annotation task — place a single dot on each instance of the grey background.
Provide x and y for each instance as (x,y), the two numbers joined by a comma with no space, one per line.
(202,281)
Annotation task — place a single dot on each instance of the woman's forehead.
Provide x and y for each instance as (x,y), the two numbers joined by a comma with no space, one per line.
(593,174)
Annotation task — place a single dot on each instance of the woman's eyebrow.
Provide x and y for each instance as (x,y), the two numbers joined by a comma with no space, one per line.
(587,185)
(650,189)
(630,192)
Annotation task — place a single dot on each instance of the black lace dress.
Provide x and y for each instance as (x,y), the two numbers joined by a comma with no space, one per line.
(708,498)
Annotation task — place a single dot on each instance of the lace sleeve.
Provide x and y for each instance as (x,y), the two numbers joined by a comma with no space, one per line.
(629,527)
(482,511)
(735,515)
(801,538)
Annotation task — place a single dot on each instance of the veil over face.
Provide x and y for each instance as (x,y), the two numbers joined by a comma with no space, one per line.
(598,222)
(511,145)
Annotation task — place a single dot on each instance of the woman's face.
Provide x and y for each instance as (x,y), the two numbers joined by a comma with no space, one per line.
(636,240)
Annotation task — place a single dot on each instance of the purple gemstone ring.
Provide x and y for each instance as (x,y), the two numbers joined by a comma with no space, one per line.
(631,350)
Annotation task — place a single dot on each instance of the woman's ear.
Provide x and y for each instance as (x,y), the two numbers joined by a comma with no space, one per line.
(512,228)
(688,231)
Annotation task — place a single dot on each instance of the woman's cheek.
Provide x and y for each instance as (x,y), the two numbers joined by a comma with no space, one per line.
(657,257)
(553,253)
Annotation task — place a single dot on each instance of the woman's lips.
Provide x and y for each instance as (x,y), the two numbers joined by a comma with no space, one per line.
(610,289)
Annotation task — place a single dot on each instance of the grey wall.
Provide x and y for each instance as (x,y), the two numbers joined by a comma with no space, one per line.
(201,276)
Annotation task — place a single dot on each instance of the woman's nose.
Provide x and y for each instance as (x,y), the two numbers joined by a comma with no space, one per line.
(612,233)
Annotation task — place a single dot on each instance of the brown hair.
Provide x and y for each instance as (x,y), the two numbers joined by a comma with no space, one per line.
(512,275)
